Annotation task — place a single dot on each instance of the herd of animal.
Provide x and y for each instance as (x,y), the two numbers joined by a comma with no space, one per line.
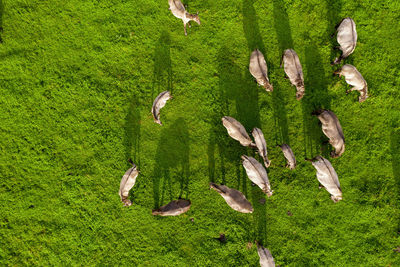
(256,172)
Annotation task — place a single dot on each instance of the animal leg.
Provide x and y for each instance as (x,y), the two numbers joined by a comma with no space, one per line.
(184,27)
(190,26)
(351,89)
(338,73)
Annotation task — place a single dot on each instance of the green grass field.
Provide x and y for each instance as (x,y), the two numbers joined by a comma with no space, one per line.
(77,82)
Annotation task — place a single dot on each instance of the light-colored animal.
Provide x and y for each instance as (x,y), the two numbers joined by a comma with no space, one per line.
(179,11)
(158,104)
(294,71)
(347,38)
(355,79)
(266,259)
(258,68)
(333,130)
(234,198)
(289,155)
(261,145)
(257,174)
(237,131)
(174,208)
(127,182)
(328,177)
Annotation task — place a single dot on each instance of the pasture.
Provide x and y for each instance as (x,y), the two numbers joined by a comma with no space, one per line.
(77,82)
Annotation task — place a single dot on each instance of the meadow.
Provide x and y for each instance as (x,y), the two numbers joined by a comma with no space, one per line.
(77,82)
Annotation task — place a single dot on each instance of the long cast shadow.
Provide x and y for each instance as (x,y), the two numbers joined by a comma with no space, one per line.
(248,111)
(333,8)
(285,41)
(218,137)
(1,20)
(132,131)
(162,75)
(282,26)
(172,170)
(395,151)
(251,28)
(316,97)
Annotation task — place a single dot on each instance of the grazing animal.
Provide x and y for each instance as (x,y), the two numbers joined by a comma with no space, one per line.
(158,104)
(234,198)
(127,182)
(294,71)
(328,177)
(261,145)
(179,11)
(355,79)
(237,131)
(174,208)
(257,174)
(333,130)
(258,68)
(289,155)
(346,37)
(266,259)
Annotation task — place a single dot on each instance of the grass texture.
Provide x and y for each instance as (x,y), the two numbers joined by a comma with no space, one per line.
(77,81)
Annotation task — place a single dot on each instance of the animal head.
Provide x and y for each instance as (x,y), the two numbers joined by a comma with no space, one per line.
(127,203)
(265,83)
(196,18)
(362,98)
(300,92)
(268,192)
(336,198)
(158,121)
(267,163)
(268,87)
(363,95)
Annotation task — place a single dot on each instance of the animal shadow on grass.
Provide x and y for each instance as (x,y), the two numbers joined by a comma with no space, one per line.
(132,131)
(218,137)
(251,28)
(333,8)
(1,20)
(172,170)
(162,75)
(285,41)
(316,97)
(395,151)
(248,112)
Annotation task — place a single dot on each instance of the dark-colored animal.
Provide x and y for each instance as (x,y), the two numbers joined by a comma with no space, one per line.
(234,198)
(289,155)
(174,208)
(158,104)
(261,145)
(333,130)
(127,182)
(179,11)
(237,131)
(258,68)
(294,71)
(328,177)
(346,37)
(355,79)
